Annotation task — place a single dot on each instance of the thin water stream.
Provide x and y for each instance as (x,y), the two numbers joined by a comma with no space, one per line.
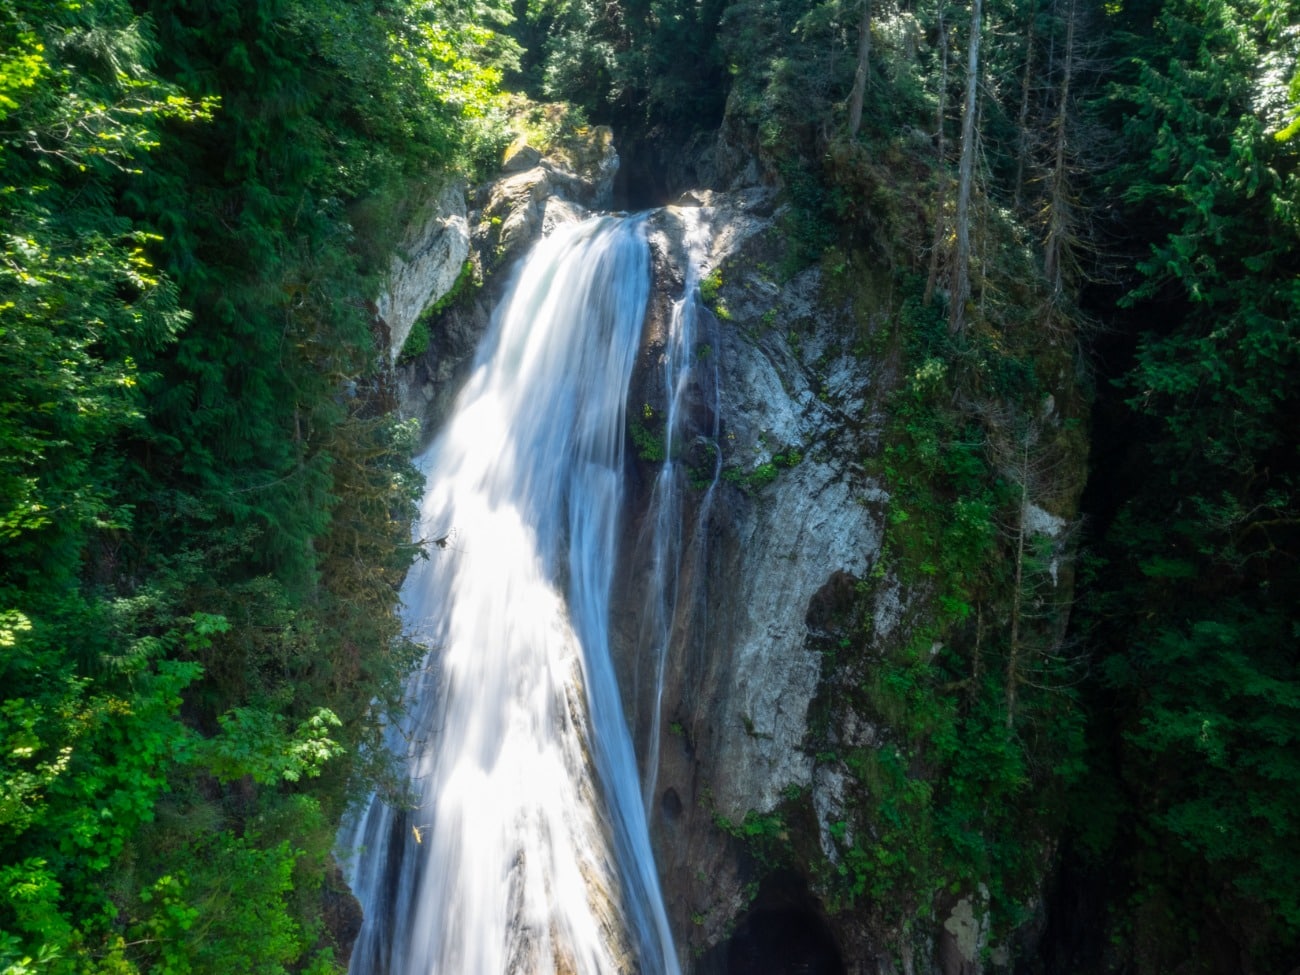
(526,848)
(687,371)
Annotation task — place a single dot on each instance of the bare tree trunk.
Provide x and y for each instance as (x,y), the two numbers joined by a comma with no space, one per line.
(860,75)
(1013,653)
(909,966)
(1022,119)
(1058,205)
(965,176)
(941,199)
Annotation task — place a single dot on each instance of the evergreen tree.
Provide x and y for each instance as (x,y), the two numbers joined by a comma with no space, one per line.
(1201,613)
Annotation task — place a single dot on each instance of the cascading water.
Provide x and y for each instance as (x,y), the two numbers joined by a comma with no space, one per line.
(689,453)
(514,857)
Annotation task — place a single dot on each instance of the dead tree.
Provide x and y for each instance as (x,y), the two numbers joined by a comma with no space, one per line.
(1060,220)
(961,288)
(860,75)
(941,201)
(1040,550)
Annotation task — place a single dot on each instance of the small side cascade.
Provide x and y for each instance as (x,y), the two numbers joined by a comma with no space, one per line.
(524,846)
(692,460)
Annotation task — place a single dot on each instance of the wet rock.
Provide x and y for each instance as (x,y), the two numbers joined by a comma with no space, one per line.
(341,913)
(534,194)
(791,524)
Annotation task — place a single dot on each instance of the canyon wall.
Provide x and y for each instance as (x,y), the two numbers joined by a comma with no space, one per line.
(760,732)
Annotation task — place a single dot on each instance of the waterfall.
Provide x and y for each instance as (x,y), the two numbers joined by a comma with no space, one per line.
(689,379)
(512,856)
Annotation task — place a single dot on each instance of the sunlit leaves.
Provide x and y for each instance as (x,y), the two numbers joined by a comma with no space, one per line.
(21,64)
(168,476)
(254,742)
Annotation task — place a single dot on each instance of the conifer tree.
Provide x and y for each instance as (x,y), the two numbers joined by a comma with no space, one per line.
(1201,604)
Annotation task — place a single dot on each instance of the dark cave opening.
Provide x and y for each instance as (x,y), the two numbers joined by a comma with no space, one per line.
(784,933)
(658,166)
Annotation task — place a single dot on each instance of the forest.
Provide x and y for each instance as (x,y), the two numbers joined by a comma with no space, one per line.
(206,493)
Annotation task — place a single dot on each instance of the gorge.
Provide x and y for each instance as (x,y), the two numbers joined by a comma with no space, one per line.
(913,578)
(750,529)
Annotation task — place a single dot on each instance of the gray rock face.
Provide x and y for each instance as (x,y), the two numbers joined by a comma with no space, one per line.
(793,514)
(426,265)
(789,536)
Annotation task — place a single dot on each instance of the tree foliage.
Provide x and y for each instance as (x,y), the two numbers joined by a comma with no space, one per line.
(204,500)
(643,63)
(1200,617)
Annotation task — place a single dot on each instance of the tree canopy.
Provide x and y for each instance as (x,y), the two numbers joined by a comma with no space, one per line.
(204,498)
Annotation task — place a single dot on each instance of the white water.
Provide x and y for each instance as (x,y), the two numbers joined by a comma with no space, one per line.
(516,858)
(685,358)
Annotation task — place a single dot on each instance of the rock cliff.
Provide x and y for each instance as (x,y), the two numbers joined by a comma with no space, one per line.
(774,719)
(794,522)
(805,739)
